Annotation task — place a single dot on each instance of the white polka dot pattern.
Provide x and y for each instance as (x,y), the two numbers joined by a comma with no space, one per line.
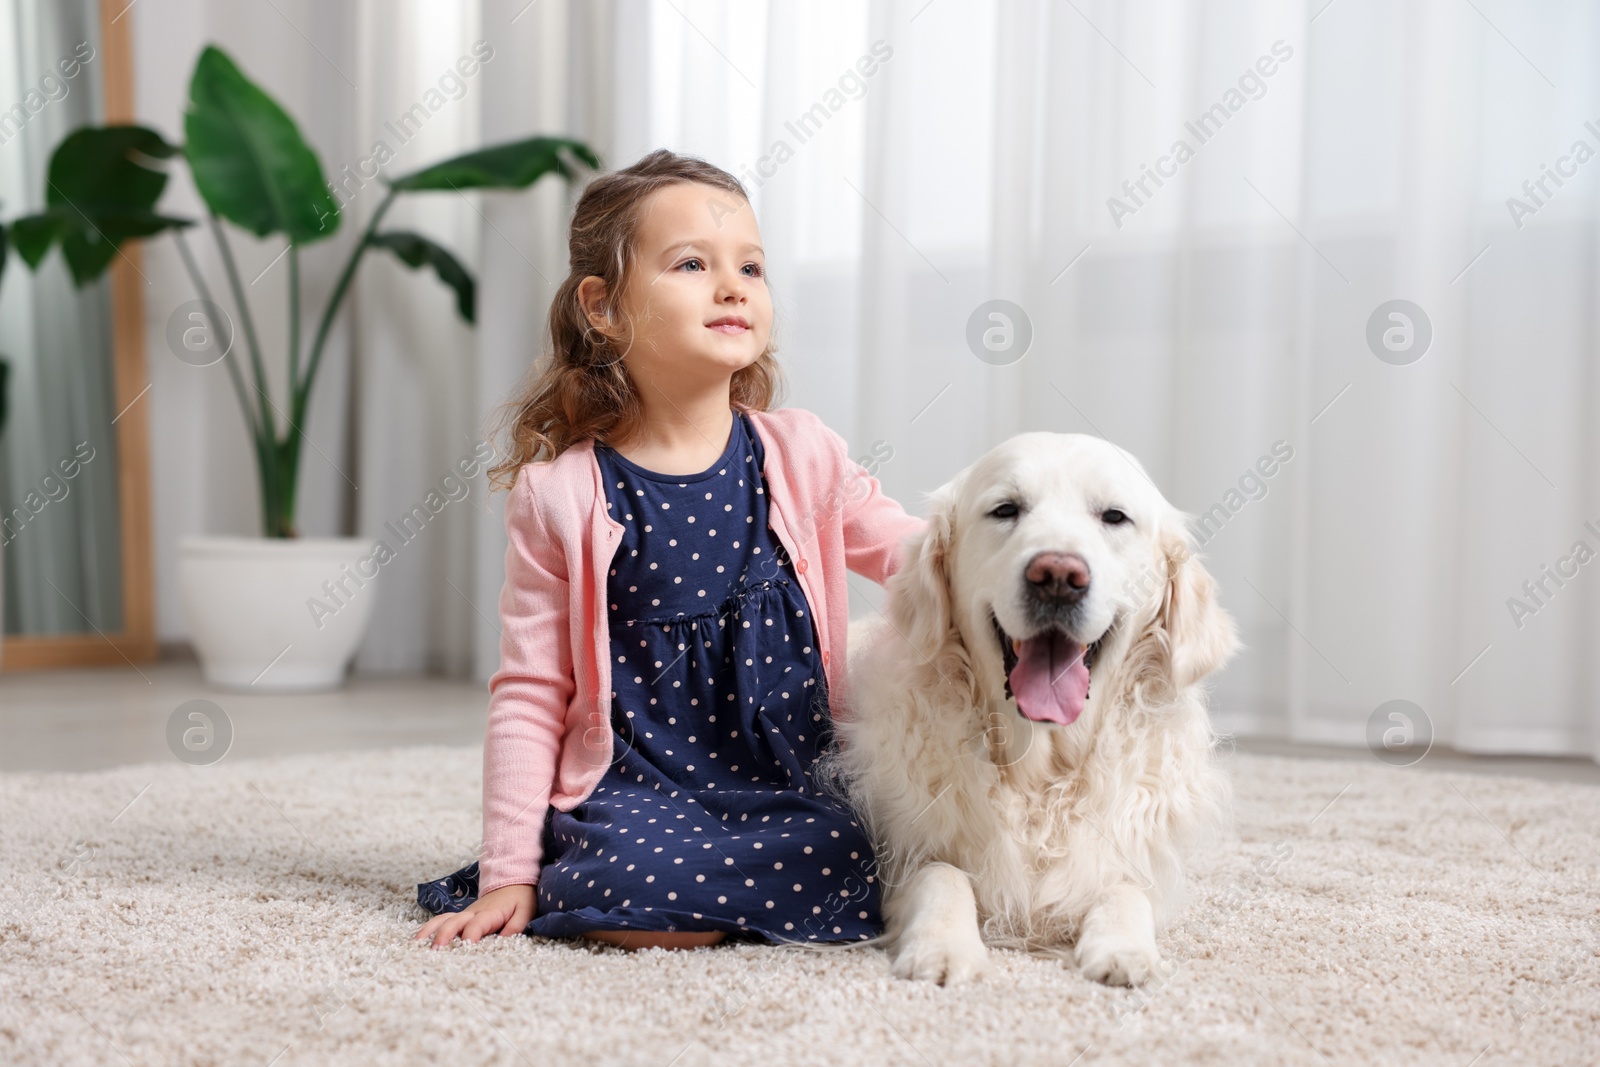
(714,811)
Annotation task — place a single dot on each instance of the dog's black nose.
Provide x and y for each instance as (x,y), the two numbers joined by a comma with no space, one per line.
(1058,577)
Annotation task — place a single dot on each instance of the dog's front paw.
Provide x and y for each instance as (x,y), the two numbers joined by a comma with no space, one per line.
(1117,961)
(942,957)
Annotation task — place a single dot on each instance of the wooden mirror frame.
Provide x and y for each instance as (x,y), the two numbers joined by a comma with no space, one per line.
(136,641)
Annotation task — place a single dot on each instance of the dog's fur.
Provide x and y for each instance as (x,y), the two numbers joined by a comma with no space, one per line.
(992,829)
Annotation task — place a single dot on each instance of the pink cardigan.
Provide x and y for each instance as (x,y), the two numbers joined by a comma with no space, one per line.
(549,734)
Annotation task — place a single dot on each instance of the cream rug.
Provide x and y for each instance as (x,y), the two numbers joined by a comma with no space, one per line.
(259,913)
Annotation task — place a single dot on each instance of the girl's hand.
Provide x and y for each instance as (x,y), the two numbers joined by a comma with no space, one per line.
(507,910)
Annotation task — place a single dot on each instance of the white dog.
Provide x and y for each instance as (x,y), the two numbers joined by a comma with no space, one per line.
(1008,804)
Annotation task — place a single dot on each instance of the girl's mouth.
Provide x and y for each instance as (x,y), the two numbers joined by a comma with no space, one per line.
(729,326)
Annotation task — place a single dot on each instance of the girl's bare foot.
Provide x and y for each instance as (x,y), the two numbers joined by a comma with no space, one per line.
(637,939)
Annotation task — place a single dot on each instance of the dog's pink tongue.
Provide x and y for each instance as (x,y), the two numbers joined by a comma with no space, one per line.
(1050,680)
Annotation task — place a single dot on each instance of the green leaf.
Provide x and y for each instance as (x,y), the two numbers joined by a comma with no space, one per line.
(249,161)
(101,190)
(88,243)
(515,165)
(416,250)
(90,249)
(97,170)
(34,234)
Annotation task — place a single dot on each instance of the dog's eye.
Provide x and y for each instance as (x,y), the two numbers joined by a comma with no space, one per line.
(1114,517)
(1006,510)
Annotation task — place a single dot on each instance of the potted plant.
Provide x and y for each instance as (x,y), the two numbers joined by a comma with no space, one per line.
(246,598)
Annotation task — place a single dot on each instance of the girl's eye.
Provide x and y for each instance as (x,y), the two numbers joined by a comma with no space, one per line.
(686,263)
(1114,517)
(757,269)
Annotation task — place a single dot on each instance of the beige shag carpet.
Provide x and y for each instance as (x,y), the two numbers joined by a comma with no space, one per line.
(259,913)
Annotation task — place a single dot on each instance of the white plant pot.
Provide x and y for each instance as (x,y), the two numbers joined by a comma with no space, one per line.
(261,613)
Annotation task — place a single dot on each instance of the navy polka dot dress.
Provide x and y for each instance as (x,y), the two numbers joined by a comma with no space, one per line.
(708,817)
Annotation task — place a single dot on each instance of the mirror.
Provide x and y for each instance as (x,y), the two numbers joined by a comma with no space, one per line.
(75,559)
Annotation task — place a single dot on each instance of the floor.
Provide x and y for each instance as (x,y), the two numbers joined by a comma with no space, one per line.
(261,911)
(95,718)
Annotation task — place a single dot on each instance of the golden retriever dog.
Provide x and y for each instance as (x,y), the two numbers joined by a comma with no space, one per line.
(1027,742)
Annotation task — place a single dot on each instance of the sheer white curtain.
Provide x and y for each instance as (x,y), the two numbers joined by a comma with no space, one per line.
(415,372)
(1216,320)
(911,160)
(60,537)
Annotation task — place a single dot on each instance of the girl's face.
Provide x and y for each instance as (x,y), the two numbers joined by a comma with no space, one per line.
(697,293)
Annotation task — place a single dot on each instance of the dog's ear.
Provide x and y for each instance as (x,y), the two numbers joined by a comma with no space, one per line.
(1200,635)
(921,587)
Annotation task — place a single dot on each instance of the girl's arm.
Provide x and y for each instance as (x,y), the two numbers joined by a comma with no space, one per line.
(528,698)
(875,525)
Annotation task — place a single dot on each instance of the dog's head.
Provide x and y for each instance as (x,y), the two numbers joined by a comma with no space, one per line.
(1046,562)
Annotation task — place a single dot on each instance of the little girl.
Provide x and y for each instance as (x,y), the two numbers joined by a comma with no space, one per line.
(675,607)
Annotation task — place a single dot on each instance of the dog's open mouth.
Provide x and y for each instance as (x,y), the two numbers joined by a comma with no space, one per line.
(1047,674)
